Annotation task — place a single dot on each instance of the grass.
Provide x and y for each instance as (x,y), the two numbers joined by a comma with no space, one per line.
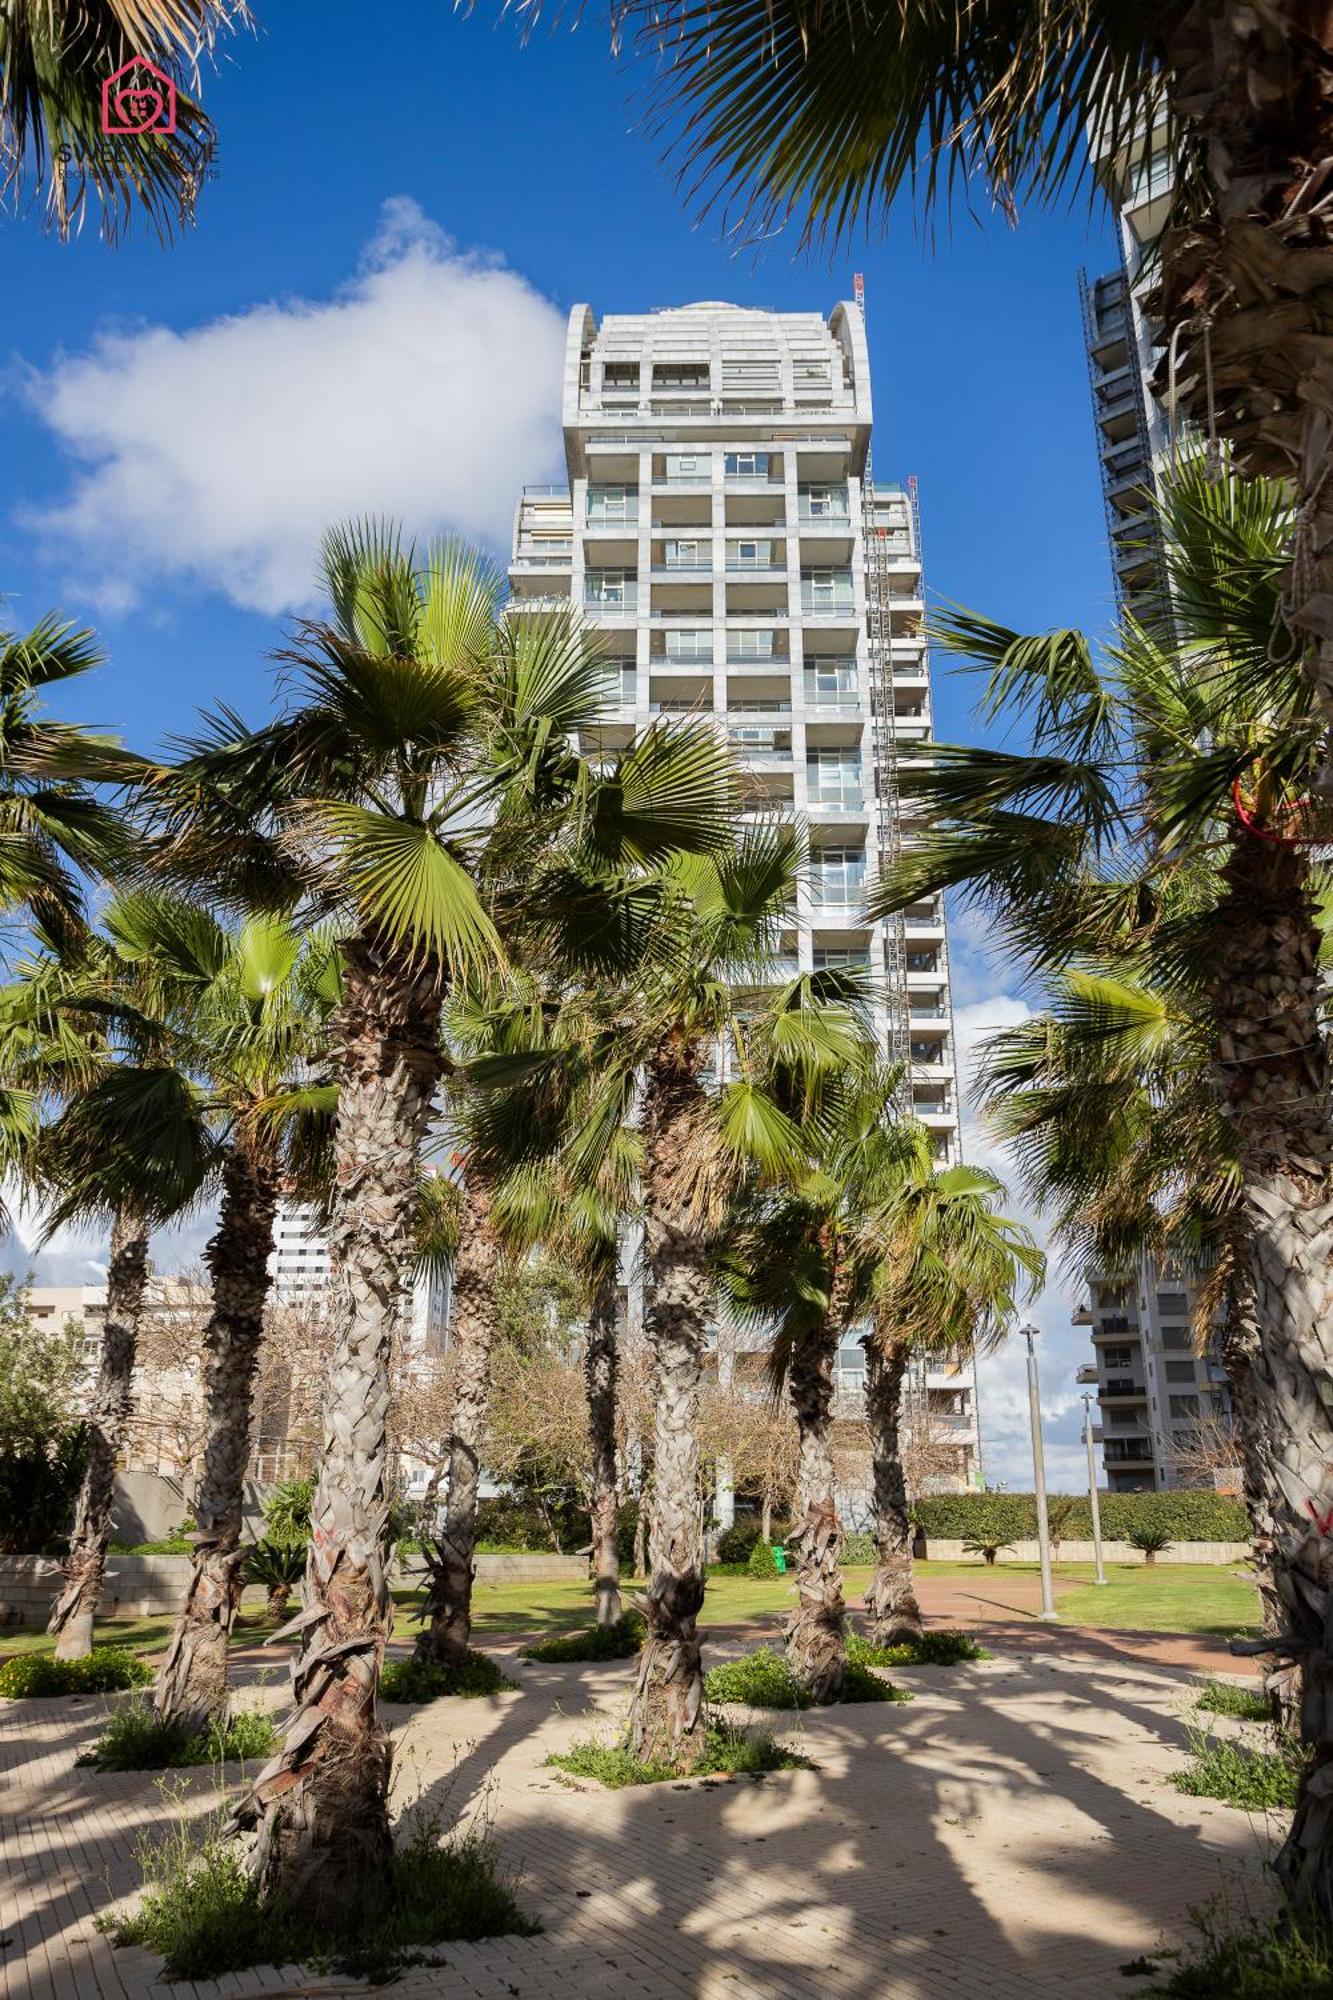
(619,1641)
(1168,1597)
(932,1649)
(414,1680)
(1255,1780)
(1253,1960)
(728,1750)
(201,1914)
(1224,1698)
(142,1635)
(136,1739)
(763,1679)
(37,1676)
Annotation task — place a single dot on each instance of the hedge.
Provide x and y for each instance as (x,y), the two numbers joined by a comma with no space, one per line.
(1187,1515)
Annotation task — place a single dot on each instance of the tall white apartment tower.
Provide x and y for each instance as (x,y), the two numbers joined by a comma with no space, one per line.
(719,528)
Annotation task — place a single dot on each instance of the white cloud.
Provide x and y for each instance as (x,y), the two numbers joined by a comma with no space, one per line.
(1061,1348)
(428,389)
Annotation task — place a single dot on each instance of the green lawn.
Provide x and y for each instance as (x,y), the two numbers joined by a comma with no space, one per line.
(1161,1597)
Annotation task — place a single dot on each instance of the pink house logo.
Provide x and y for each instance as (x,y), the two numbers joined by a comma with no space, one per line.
(138,97)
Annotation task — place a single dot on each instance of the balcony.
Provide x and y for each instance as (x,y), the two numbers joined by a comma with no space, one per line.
(1087,1373)
(621,605)
(1121,1389)
(830,605)
(1128,1451)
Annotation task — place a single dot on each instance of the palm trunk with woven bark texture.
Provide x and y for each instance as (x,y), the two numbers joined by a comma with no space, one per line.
(1271,1068)
(76,1606)
(451,1559)
(667,1718)
(891,1607)
(599,1367)
(192,1682)
(1247,288)
(816,1631)
(320,1805)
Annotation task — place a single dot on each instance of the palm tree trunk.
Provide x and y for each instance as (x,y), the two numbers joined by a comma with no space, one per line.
(448,1604)
(321,1804)
(667,1721)
(891,1607)
(600,1363)
(816,1631)
(192,1681)
(76,1606)
(1272,1075)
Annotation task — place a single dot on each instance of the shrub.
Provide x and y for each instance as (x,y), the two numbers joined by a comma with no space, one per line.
(1187,1514)
(728,1749)
(591,1642)
(136,1739)
(39,1483)
(1258,1780)
(1255,1960)
(202,1914)
(762,1562)
(414,1680)
(763,1679)
(279,1566)
(856,1548)
(1149,1540)
(931,1649)
(36,1676)
(1060,1511)
(1224,1698)
(734,1544)
(986,1543)
(287,1513)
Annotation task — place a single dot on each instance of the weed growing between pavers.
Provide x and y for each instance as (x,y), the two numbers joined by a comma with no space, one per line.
(1223,1698)
(618,1641)
(201,1913)
(763,1679)
(416,1680)
(1258,1780)
(930,1649)
(137,1739)
(1255,1959)
(37,1676)
(729,1750)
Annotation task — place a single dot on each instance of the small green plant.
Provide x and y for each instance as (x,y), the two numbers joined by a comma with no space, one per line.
(1224,1698)
(727,1749)
(1257,1780)
(138,1739)
(762,1563)
(1060,1511)
(287,1513)
(202,1914)
(1150,1540)
(591,1642)
(856,1549)
(414,1680)
(930,1649)
(279,1567)
(37,1676)
(763,1679)
(986,1543)
(1255,1959)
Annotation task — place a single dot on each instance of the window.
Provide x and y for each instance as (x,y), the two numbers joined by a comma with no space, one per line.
(837,874)
(1118,1357)
(824,588)
(613,503)
(1120,1419)
(620,375)
(1172,1302)
(747,464)
(689,648)
(1184,1406)
(619,680)
(818,502)
(750,645)
(1180,1371)
(687,554)
(749,555)
(737,375)
(613,588)
(833,776)
(839,957)
(831,684)
(680,374)
(1177,1336)
(686,465)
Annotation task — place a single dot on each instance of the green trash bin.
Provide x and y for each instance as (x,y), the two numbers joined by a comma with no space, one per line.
(779,1558)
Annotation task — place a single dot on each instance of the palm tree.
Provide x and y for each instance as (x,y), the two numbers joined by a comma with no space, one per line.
(1180,754)
(822,115)
(948,1268)
(55,57)
(423,783)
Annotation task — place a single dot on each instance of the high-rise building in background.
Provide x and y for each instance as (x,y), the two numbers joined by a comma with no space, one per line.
(720,527)
(1132,427)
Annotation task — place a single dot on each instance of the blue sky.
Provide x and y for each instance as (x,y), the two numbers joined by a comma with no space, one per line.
(368,318)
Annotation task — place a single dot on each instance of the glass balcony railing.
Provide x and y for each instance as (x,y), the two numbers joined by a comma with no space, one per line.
(612,603)
(827,603)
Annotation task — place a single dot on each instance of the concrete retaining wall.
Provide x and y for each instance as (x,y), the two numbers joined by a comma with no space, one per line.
(941,1549)
(147,1586)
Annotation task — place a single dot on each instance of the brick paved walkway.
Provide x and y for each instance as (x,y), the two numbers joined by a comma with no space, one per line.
(1005,1835)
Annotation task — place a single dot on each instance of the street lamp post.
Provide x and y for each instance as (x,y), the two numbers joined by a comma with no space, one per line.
(1048,1612)
(1092,1490)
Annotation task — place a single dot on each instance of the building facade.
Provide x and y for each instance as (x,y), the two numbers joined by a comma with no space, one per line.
(720,528)
(1164,1410)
